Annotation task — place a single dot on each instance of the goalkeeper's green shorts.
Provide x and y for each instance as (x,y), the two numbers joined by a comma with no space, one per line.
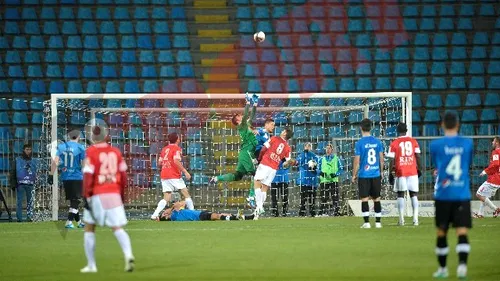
(245,163)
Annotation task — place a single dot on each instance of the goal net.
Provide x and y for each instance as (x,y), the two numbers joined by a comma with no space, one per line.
(139,125)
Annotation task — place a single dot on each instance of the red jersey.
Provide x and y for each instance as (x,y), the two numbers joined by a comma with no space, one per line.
(168,154)
(277,149)
(403,150)
(105,164)
(493,170)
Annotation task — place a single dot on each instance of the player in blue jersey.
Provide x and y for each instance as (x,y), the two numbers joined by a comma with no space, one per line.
(69,158)
(367,172)
(452,157)
(178,212)
(263,135)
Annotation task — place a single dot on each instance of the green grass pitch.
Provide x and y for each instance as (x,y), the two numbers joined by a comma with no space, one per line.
(268,249)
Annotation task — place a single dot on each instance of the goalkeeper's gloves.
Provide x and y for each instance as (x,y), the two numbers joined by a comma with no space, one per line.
(248,98)
(391,179)
(333,175)
(255,99)
(50,179)
(419,173)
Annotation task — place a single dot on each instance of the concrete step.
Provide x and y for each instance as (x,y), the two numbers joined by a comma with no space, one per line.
(215,33)
(216,77)
(210,4)
(217,47)
(218,62)
(218,18)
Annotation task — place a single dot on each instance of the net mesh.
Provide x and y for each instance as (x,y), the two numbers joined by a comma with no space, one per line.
(210,143)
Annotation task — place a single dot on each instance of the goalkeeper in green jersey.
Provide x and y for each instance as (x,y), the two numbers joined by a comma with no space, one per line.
(246,156)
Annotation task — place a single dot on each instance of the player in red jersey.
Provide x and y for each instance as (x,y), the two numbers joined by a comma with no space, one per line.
(492,183)
(405,152)
(104,181)
(271,155)
(171,175)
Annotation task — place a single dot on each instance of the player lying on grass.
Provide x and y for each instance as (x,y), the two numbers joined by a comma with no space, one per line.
(246,159)
(271,155)
(178,213)
(492,183)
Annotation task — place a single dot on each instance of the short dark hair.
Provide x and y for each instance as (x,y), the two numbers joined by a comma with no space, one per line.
(289,133)
(366,125)
(401,128)
(497,139)
(450,120)
(26,145)
(173,137)
(268,120)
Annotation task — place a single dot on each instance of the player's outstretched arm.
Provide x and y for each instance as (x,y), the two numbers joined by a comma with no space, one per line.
(493,166)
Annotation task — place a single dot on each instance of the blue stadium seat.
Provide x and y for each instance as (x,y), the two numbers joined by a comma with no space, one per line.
(494,67)
(469,115)
(457,68)
(421,39)
(54,86)
(254,86)
(410,24)
(167,71)
(12,57)
(11,27)
(457,82)
(446,24)
(146,57)
(37,42)
(20,118)
(431,130)
(416,100)
(467,129)
(149,72)
(186,71)
(476,67)
(427,24)
(439,53)
(19,86)
(75,87)
(299,26)
(4,118)
(273,86)
(492,99)
(94,87)
(19,42)
(109,42)
(453,100)
(438,83)
(400,68)
(271,70)
(402,83)
(71,71)
(70,57)
(458,38)
(129,87)
(420,83)
(90,71)
(56,42)
(180,42)
(434,101)
(440,39)
(476,82)
(383,84)
(128,42)
(419,68)
(494,82)
(150,86)
(489,114)
(481,38)
(486,130)
(27,13)
(161,27)
(478,52)
(188,86)
(178,13)
(347,85)
(32,28)
(364,84)
(184,56)
(19,104)
(474,99)
(243,13)
(432,116)
(309,85)
(89,56)
(89,27)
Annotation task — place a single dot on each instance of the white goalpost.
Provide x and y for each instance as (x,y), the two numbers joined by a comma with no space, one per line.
(209,142)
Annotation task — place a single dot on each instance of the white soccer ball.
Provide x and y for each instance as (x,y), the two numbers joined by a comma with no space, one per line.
(311,164)
(259,37)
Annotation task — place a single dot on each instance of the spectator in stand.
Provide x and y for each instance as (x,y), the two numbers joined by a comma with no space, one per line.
(23,177)
(307,162)
(329,170)
(279,189)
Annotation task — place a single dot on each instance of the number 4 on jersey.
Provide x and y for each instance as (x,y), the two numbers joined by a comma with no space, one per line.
(454,167)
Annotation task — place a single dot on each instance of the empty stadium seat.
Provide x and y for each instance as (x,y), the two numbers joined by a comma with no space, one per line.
(453,100)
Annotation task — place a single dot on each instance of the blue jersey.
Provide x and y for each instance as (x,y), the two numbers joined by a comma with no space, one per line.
(262,137)
(71,155)
(368,149)
(185,215)
(452,157)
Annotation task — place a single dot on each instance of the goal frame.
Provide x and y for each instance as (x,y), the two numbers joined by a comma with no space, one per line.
(406,99)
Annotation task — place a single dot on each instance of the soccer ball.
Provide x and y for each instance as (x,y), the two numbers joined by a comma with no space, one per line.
(259,37)
(312,164)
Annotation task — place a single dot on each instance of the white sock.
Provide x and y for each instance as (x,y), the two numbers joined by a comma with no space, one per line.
(124,241)
(414,204)
(401,208)
(263,195)
(488,202)
(68,222)
(481,209)
(258,198)
(89,246)
(189,203)
(161,205)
